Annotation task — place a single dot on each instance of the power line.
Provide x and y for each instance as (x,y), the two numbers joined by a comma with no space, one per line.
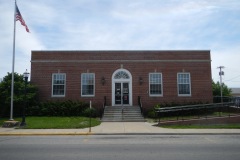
(233,78)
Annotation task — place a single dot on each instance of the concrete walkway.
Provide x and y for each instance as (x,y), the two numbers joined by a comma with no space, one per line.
(116,128)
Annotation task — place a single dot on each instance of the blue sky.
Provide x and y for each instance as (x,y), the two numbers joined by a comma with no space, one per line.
(124,25)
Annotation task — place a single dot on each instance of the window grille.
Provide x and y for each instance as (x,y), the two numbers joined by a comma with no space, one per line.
(184,84)
(88,84)
(58,84)
(121,75)
(155,84)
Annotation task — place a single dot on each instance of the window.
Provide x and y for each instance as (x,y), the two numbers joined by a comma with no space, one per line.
(155,84)
(58,84)
(184,84)
(88,82)
(121,75)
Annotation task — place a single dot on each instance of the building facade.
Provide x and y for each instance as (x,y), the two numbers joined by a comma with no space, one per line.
(235,92)
(122,76)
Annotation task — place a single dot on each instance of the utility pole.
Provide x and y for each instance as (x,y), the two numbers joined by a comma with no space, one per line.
(221,73)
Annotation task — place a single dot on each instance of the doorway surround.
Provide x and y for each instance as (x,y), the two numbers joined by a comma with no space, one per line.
(121,88)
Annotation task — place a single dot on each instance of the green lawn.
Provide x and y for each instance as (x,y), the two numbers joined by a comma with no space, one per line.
(201,126)
(57,122)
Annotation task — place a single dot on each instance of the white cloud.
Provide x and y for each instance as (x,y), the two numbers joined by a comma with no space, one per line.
(24,41)
(229,58)
(122,25)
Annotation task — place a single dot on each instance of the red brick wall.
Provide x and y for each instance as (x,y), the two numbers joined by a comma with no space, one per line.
(169,63)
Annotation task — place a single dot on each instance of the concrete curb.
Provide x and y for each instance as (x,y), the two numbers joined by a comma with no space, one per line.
(166,134)
(45,134)
(92,133)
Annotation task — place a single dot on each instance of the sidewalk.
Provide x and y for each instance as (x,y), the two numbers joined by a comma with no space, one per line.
(117,128)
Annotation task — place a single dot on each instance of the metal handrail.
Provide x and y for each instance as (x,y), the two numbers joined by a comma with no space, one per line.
(104,104)
(140,104)
(180,109)
(191,107)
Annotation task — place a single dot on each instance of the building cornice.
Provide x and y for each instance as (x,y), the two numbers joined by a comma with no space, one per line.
(110,61)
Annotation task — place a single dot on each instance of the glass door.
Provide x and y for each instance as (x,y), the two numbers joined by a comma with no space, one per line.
(118,93)
(122,93)
(125,95)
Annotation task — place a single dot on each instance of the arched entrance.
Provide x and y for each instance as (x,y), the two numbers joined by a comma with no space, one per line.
(121,88)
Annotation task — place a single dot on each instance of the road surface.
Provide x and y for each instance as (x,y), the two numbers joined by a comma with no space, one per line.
(121,147)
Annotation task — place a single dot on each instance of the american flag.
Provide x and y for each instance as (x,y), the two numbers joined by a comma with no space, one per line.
(20,18)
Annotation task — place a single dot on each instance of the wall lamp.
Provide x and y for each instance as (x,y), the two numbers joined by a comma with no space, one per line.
(103,81)
(140,80)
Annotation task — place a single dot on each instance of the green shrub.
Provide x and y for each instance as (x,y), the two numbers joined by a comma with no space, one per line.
(65,108)
(151,114)
(157,106)
(90,112)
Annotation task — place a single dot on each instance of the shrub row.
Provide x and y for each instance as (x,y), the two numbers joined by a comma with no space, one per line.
(65,108)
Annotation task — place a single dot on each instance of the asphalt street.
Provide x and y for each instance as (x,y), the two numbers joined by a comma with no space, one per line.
(120,147)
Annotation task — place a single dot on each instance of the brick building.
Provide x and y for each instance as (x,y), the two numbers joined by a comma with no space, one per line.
(122,76)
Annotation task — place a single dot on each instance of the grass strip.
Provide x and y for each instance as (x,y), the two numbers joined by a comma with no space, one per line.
(57,122)
(203,126)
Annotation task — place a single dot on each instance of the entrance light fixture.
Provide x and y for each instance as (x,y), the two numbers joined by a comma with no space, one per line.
(140,80)
(103,81)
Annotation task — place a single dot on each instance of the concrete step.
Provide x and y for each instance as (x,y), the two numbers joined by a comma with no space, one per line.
(123,114)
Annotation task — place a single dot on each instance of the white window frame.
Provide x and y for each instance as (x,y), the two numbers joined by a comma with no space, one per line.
(58,74)
(82,83)
(161,83)
(184,82)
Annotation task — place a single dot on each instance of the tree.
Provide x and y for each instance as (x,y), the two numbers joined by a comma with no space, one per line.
(216,88)
(18,100)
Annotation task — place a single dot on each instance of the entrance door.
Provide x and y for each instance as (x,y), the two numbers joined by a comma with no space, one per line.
(122,93)
(121,88)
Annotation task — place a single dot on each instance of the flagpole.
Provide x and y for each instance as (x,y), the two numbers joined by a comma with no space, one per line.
(13,63)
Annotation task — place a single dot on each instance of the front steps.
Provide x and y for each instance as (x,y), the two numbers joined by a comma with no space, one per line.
(122,114)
